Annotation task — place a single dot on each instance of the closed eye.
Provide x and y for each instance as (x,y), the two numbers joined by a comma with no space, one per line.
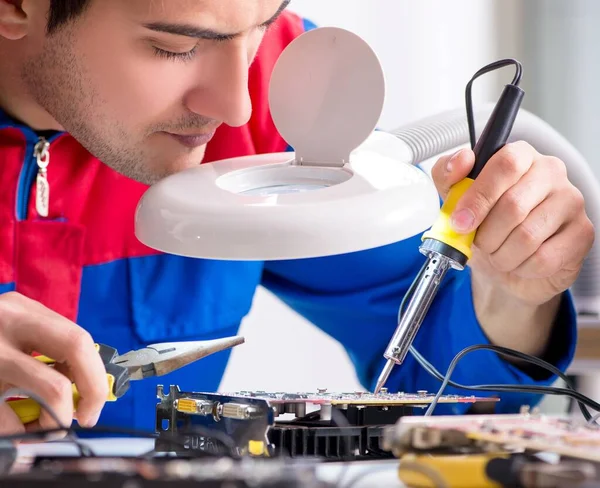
(179,56)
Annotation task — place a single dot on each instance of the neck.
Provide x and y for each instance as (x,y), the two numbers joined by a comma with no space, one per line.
(18,103)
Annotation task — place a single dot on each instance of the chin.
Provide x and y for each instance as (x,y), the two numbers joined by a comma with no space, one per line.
(169,164)
(178,168)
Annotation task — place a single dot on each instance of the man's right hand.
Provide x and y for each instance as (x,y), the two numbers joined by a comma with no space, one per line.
(27,326)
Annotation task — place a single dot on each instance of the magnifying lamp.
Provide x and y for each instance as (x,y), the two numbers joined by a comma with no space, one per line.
(345,187)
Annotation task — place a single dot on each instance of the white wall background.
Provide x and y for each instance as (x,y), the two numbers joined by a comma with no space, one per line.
(429,49)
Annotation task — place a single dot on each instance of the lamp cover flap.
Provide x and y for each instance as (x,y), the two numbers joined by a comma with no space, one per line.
(326,95)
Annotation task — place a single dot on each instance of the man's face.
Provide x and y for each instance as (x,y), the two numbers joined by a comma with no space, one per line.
(141,98)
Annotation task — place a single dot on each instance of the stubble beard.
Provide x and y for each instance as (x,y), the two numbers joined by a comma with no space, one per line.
(59,83)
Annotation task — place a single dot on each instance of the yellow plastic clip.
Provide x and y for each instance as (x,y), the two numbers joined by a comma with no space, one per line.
(257,448)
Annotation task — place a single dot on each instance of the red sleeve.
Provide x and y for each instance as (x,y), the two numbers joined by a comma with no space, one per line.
(285,30)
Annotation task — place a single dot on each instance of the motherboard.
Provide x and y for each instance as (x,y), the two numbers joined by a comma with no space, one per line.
(321,424)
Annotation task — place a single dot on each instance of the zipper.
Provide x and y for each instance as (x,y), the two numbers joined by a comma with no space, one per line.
(28,170)
(35,170)
(42,188)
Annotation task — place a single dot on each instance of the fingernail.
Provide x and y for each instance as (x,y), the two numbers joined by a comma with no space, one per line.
(463,220)
(451,160)
(54,436)
(93,419)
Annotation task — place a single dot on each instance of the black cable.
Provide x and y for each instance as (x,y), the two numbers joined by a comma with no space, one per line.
(84,450)
(508,388)
(510,353)
(582,400)
(468,98)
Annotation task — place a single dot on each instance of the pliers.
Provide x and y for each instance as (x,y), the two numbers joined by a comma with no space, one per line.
(152,360)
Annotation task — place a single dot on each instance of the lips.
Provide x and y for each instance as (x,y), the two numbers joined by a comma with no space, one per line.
(192,140)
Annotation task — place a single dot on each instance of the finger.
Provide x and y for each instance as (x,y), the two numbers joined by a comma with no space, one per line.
(45,331)
(501,172)
(9,421)
(524,241)
(65,370)
(52,387)
(564,251)
(516,204)
(449,170)
(48,436)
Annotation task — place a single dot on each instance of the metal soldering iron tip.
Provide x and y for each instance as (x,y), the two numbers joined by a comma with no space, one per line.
(385,373)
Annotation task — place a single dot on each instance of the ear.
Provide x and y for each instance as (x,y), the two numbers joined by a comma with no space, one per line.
(14,21)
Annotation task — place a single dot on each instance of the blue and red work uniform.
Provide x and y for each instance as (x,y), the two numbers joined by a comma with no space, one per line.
(84,262)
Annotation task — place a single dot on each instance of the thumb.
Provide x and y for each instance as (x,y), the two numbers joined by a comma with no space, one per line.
(449,170)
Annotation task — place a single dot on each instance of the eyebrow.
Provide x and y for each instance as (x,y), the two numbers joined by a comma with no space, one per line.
(189,30)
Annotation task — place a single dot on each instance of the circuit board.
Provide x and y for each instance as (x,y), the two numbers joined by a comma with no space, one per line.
(564,436)
(322,397)
(293,424)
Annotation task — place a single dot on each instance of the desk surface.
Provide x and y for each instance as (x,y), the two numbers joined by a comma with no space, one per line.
(381,473)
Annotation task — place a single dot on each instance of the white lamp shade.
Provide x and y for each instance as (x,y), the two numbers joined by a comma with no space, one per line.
(345,188)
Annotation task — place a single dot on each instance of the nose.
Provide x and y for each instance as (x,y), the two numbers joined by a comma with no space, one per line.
(221,92)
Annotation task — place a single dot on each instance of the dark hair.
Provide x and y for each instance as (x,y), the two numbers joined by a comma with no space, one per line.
(63,11)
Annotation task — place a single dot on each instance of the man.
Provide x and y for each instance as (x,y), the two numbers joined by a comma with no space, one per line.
(101,98)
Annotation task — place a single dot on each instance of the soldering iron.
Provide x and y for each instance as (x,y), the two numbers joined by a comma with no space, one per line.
(443,247)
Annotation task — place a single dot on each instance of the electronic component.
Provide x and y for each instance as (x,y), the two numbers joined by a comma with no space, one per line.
(527,450)
(302,424)
(563,436)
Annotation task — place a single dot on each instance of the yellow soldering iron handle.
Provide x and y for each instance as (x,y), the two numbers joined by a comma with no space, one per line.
(493,137)
(28,410)
(442,229)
